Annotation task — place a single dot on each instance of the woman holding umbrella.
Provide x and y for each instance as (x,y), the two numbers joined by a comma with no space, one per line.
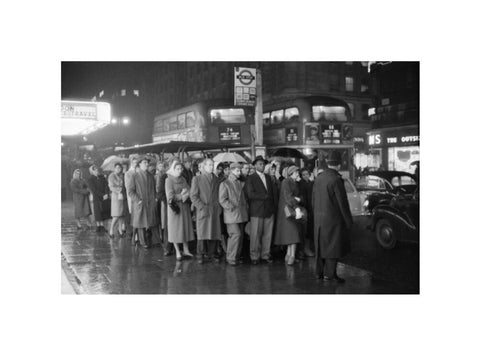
(80,198)
(119,199)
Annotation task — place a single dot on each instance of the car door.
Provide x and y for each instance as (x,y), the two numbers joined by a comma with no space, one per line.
(355,199)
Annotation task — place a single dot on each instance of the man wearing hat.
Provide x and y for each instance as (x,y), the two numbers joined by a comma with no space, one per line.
(235,213)
(261,195)
(332,220)
(144,207)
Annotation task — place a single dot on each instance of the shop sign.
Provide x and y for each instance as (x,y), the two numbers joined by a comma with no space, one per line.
(229,134)
(79,110)
(245,86)
(292,135)
(392,140)
(331,134)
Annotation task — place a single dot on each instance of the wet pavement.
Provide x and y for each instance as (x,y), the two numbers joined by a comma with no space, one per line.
(97,264)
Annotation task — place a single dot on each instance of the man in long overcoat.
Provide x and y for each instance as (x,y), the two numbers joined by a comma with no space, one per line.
(204,196)
(144,206)
(332,220)
(262,198)
(235,212)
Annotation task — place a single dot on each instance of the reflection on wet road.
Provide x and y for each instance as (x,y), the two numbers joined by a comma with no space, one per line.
(112,266)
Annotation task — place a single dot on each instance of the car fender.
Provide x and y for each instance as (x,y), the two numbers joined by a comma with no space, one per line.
(400,219)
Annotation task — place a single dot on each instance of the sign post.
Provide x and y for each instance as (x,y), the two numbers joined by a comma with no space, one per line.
(247,92)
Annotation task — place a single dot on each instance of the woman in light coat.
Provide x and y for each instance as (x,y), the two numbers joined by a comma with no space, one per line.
(119,200)
(180,227)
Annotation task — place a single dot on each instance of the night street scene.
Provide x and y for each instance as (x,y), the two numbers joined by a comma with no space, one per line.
(240,177)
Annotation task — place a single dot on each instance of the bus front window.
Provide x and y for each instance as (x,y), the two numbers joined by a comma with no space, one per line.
(227,115)
(329,113)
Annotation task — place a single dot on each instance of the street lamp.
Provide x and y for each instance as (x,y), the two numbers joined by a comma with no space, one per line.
(126,121)
(114,120)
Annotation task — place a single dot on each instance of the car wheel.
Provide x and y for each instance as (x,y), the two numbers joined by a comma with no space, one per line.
(385,234)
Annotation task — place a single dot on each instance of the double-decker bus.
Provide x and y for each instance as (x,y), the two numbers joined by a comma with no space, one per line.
(213,121)
(313,125)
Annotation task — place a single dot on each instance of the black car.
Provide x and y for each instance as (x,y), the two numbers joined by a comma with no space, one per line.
(397,220)
(379,187)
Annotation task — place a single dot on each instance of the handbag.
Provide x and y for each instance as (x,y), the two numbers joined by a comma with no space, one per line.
(173,205)
(290,214)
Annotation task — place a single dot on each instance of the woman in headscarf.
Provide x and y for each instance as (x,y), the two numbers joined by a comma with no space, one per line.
(81,203)
(119,200)
(180,227)
(288,229)
(101,205)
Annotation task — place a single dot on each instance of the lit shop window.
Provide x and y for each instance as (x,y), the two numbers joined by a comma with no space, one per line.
(136,93)
(348,83)
(123,92)
(190,121)
(349,63)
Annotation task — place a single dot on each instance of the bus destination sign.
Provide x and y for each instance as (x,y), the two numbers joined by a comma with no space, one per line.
(331,134)
(229,134)
(292,135)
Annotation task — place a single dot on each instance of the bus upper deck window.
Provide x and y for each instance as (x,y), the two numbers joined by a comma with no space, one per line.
(190,121)
(291,114)
(266,119)
(277,117)
(227,115)
(329,113)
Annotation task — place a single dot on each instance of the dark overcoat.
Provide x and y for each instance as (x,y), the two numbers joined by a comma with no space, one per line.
(99,187)
(332,216)
(142,188)
(262,202)
(306,188)
(204,196)
(287,231)
(81,203)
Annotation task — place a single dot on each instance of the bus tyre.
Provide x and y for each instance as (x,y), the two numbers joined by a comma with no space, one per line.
(385,235)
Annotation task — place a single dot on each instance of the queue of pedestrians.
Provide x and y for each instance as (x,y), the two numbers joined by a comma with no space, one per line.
(239,212)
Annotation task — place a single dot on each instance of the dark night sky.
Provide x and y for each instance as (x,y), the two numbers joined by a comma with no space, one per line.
(82,80)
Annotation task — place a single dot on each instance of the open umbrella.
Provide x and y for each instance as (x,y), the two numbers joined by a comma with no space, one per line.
(288,153)
(109,163)
(229,157)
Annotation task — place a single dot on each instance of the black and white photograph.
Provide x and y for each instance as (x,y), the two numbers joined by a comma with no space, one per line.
(163,190)
(215,177)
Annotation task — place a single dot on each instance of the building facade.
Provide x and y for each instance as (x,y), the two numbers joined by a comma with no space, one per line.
(394,140)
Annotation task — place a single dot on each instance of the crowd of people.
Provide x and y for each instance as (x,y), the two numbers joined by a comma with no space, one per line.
(239,212)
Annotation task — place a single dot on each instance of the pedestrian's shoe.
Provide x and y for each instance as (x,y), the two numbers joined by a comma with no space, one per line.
(291,260)
(167,253)
(232,263)
(286,257)
(319,276)
(111,235)
(333,279)
(254,262)
(179,258)
(187,256)
(309,253)
(268,260)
